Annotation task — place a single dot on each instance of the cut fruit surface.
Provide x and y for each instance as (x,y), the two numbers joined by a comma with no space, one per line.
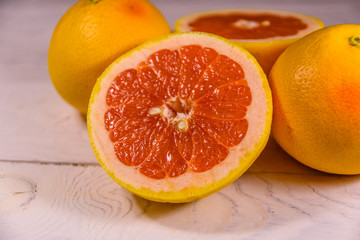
(265,33)
(180,117)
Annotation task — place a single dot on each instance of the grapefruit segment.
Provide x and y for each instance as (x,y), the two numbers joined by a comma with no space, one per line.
(180,117)
(207,152)
(237,91)
(221,110)
(183,142)
(165,160)
(134,140)
(194,60)
(227,132)
(160,73)
(126,88)
(220,71)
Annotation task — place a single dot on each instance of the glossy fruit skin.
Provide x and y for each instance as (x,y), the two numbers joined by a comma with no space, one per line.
(92,34)
(316,93)
(267,52)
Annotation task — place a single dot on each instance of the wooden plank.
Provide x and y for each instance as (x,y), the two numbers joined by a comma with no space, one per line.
(39,126)
(36,124)
(46,201)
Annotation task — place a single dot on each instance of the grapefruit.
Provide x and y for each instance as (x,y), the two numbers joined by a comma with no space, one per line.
(180,117)
(264,33)
(316,89)
(91,35)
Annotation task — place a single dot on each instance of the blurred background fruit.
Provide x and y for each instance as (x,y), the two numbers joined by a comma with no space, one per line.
(264,33)
(90,35)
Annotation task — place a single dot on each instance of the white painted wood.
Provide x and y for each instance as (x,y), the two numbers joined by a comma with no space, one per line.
(82,202)
(39,126)
(51,186)
(36,124)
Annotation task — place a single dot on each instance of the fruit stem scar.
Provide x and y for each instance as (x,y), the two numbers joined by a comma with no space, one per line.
(355,41)
(94,1)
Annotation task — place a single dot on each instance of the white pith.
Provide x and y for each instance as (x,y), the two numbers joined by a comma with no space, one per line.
(183,23)
(256,114)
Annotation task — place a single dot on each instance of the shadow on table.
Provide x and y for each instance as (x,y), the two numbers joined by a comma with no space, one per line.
(275,189)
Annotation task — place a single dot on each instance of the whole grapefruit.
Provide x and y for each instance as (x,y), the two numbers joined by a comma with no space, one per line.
(92,34)
(316,90)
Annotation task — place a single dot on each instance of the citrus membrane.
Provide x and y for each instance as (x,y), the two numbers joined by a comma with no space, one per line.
(180,117)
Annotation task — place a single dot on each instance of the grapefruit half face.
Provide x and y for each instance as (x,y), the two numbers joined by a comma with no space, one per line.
(265,33)
(180,117)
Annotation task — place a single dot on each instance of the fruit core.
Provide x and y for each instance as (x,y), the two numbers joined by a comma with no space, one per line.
(248,26)
(176,111)
(179,110)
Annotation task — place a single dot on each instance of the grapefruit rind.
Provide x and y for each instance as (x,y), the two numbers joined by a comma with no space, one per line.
(316,95)
(266,50)
(90,35)
(189,186)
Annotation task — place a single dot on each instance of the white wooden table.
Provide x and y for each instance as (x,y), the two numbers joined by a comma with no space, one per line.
(51,186)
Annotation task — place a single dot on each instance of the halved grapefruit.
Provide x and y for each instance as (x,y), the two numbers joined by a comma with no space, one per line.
(180,117)
(264,33)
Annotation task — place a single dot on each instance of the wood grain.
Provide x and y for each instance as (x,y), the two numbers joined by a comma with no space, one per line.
(81,202)
(51,186)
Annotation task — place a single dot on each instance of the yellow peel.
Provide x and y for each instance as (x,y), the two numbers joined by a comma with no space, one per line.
(316,89)
(91,35)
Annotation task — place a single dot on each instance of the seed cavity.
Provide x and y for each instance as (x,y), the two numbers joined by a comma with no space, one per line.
(175,111)
(183,125)
(155,111)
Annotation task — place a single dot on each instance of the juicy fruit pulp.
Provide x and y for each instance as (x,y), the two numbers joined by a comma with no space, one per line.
(245,26)
(180,116)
